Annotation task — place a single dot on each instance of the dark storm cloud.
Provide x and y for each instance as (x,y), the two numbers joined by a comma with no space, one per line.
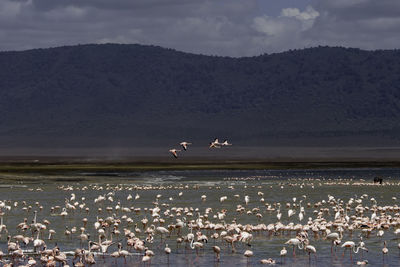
(224,27)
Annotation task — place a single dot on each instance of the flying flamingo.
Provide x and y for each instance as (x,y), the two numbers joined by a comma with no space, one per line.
(174,152)
(185,145)
(215,144)
(225,143)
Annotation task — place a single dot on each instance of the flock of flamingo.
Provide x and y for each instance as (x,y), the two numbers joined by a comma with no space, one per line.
(184,145)
(113,225)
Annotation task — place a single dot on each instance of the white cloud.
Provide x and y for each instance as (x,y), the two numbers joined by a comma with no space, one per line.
(309,14)
(269,26)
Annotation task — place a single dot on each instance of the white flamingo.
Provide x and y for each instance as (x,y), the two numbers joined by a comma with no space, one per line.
(295,242)
(174,152)
(185,145)
(225,143)
(215,144)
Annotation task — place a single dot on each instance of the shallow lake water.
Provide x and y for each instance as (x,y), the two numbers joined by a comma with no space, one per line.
(310,186)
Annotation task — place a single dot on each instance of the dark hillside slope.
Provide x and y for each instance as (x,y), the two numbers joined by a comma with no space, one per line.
(94,95)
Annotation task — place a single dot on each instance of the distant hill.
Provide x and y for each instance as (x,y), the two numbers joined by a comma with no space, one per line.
(127,95)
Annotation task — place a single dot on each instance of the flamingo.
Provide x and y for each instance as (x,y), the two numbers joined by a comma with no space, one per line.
(167,251)
(162,230)
(185,145)
(115,255)
(246,237)
(215,144)
(385,250)
(291,213)
(230,240)
(352,246)
(31,261)
(38,243)
(196,245)
(279,214)
(248,254)
(174,152)
(217,251)
(295,242)
(283,252)
(225,143)
(246,199)
(311,249)
(362,246)
(146,258)
(333,237)
(122,253)
(3,227)
(268,261)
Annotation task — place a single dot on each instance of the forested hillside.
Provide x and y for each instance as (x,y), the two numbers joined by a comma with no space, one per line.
(133,95)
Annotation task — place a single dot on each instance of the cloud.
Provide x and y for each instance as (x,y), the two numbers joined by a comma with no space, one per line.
(366,24)
(285,31)
(224,27)
(309,14)
(66,13)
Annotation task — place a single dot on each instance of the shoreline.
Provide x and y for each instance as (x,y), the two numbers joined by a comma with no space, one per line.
(57,167)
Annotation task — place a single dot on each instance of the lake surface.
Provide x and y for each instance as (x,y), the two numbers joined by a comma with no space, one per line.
(277,186)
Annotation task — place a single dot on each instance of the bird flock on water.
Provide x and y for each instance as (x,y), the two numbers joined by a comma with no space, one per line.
(184,145)
(123,229)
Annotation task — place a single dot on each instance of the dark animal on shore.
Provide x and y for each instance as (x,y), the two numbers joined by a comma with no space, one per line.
(378,180)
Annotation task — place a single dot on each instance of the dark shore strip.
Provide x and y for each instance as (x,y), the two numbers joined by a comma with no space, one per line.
(110,167)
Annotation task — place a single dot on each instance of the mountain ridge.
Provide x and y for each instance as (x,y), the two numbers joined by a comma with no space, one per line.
(114,94)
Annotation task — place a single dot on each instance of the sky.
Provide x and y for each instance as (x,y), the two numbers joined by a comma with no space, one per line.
(212,27)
